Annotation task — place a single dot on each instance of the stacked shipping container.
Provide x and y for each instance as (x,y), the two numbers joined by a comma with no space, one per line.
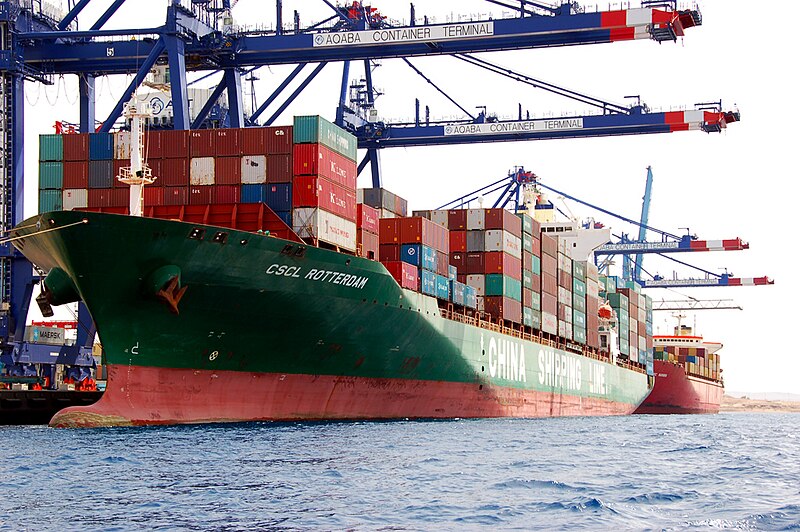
(635,318)
(695,360)
(324,182)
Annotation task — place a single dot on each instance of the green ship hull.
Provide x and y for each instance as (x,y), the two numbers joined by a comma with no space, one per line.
(209,324)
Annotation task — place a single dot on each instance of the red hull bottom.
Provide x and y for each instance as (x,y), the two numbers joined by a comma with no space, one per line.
(151,396)
(675,392)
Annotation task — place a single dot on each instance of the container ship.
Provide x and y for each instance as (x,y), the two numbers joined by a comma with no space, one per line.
(261,284)
(688,375)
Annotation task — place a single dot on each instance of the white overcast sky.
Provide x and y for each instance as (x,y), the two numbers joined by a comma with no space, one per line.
(740,183)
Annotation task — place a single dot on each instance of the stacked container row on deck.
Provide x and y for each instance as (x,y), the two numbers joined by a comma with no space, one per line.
(635,318)
(204,166)
(694,359)
(324,183)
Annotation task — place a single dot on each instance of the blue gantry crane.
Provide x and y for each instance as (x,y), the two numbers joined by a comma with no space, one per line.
(39,44)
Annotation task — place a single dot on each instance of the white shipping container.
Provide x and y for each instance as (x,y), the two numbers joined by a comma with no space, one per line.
(384,213)
(480,304)
(564,263)
(310,222)
(122,146)
(74,198)
(642,343)
(254,169)
(202,171)
(500,240)
(440,217)
(478,282)
(591,271)
(567,313)
(564,295)
(633,325)
(642,315)
(592,288)
(476,219)
(565,329)
(549,323)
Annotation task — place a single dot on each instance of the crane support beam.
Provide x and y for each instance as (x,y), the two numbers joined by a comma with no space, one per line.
(695,304)
(684,245)
(552,128)
(723,280)
(112,57)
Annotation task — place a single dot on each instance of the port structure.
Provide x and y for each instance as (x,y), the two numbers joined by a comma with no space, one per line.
(39,43)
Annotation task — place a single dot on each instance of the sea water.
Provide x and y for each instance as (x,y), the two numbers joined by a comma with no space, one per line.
(739,471)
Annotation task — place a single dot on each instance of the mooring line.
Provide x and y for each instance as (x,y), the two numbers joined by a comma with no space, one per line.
(7,240)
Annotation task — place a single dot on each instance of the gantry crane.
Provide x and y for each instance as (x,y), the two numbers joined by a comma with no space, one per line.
(39,43)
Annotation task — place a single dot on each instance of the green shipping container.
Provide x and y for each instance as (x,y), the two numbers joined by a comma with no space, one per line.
(578,287)
(527,280)
(536,265)
(618,301)
(609,284)
(315,129)
(579,302)
(536,301)
(527,223)
(536,319)
(502,285)
(579,335)
(527,243)
(50,200)
(579,270)
(579,319)
(527,316)
(51,148)
(624,346)
(51,175)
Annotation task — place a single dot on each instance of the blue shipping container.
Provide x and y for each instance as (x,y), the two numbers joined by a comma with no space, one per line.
(457,292)
(419,255)
(452,271)
(254,194)
(442,287)
(101,146)
(279,196)
(286,216)
(428,282)
(470,297)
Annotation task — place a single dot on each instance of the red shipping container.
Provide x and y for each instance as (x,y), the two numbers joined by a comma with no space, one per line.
(565,280)
(76,146)
(152,145)
(549,264)
(316,159)
(279,168)
(175,172)
(474,263)
(200,194)
(176,195)
(389,232)
(404,273)
(367,244)
(118,165)
(76,174)
(202,142)
(252,141)
(278,140)
(457,219)
(549,246)
(549,303)
(549,284)
(225,193)
(155,171)
(503,307)
(537,246)
(226,142)
(153,196)
(527,261)
(458,241)
(503,219)
(227,170)
(367,218)
(442,263)
(389,252)
(501,262)
(313,191)
(173,143)
(459,260)
(537,282)
(108,197)
(419,230)
(527,297)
